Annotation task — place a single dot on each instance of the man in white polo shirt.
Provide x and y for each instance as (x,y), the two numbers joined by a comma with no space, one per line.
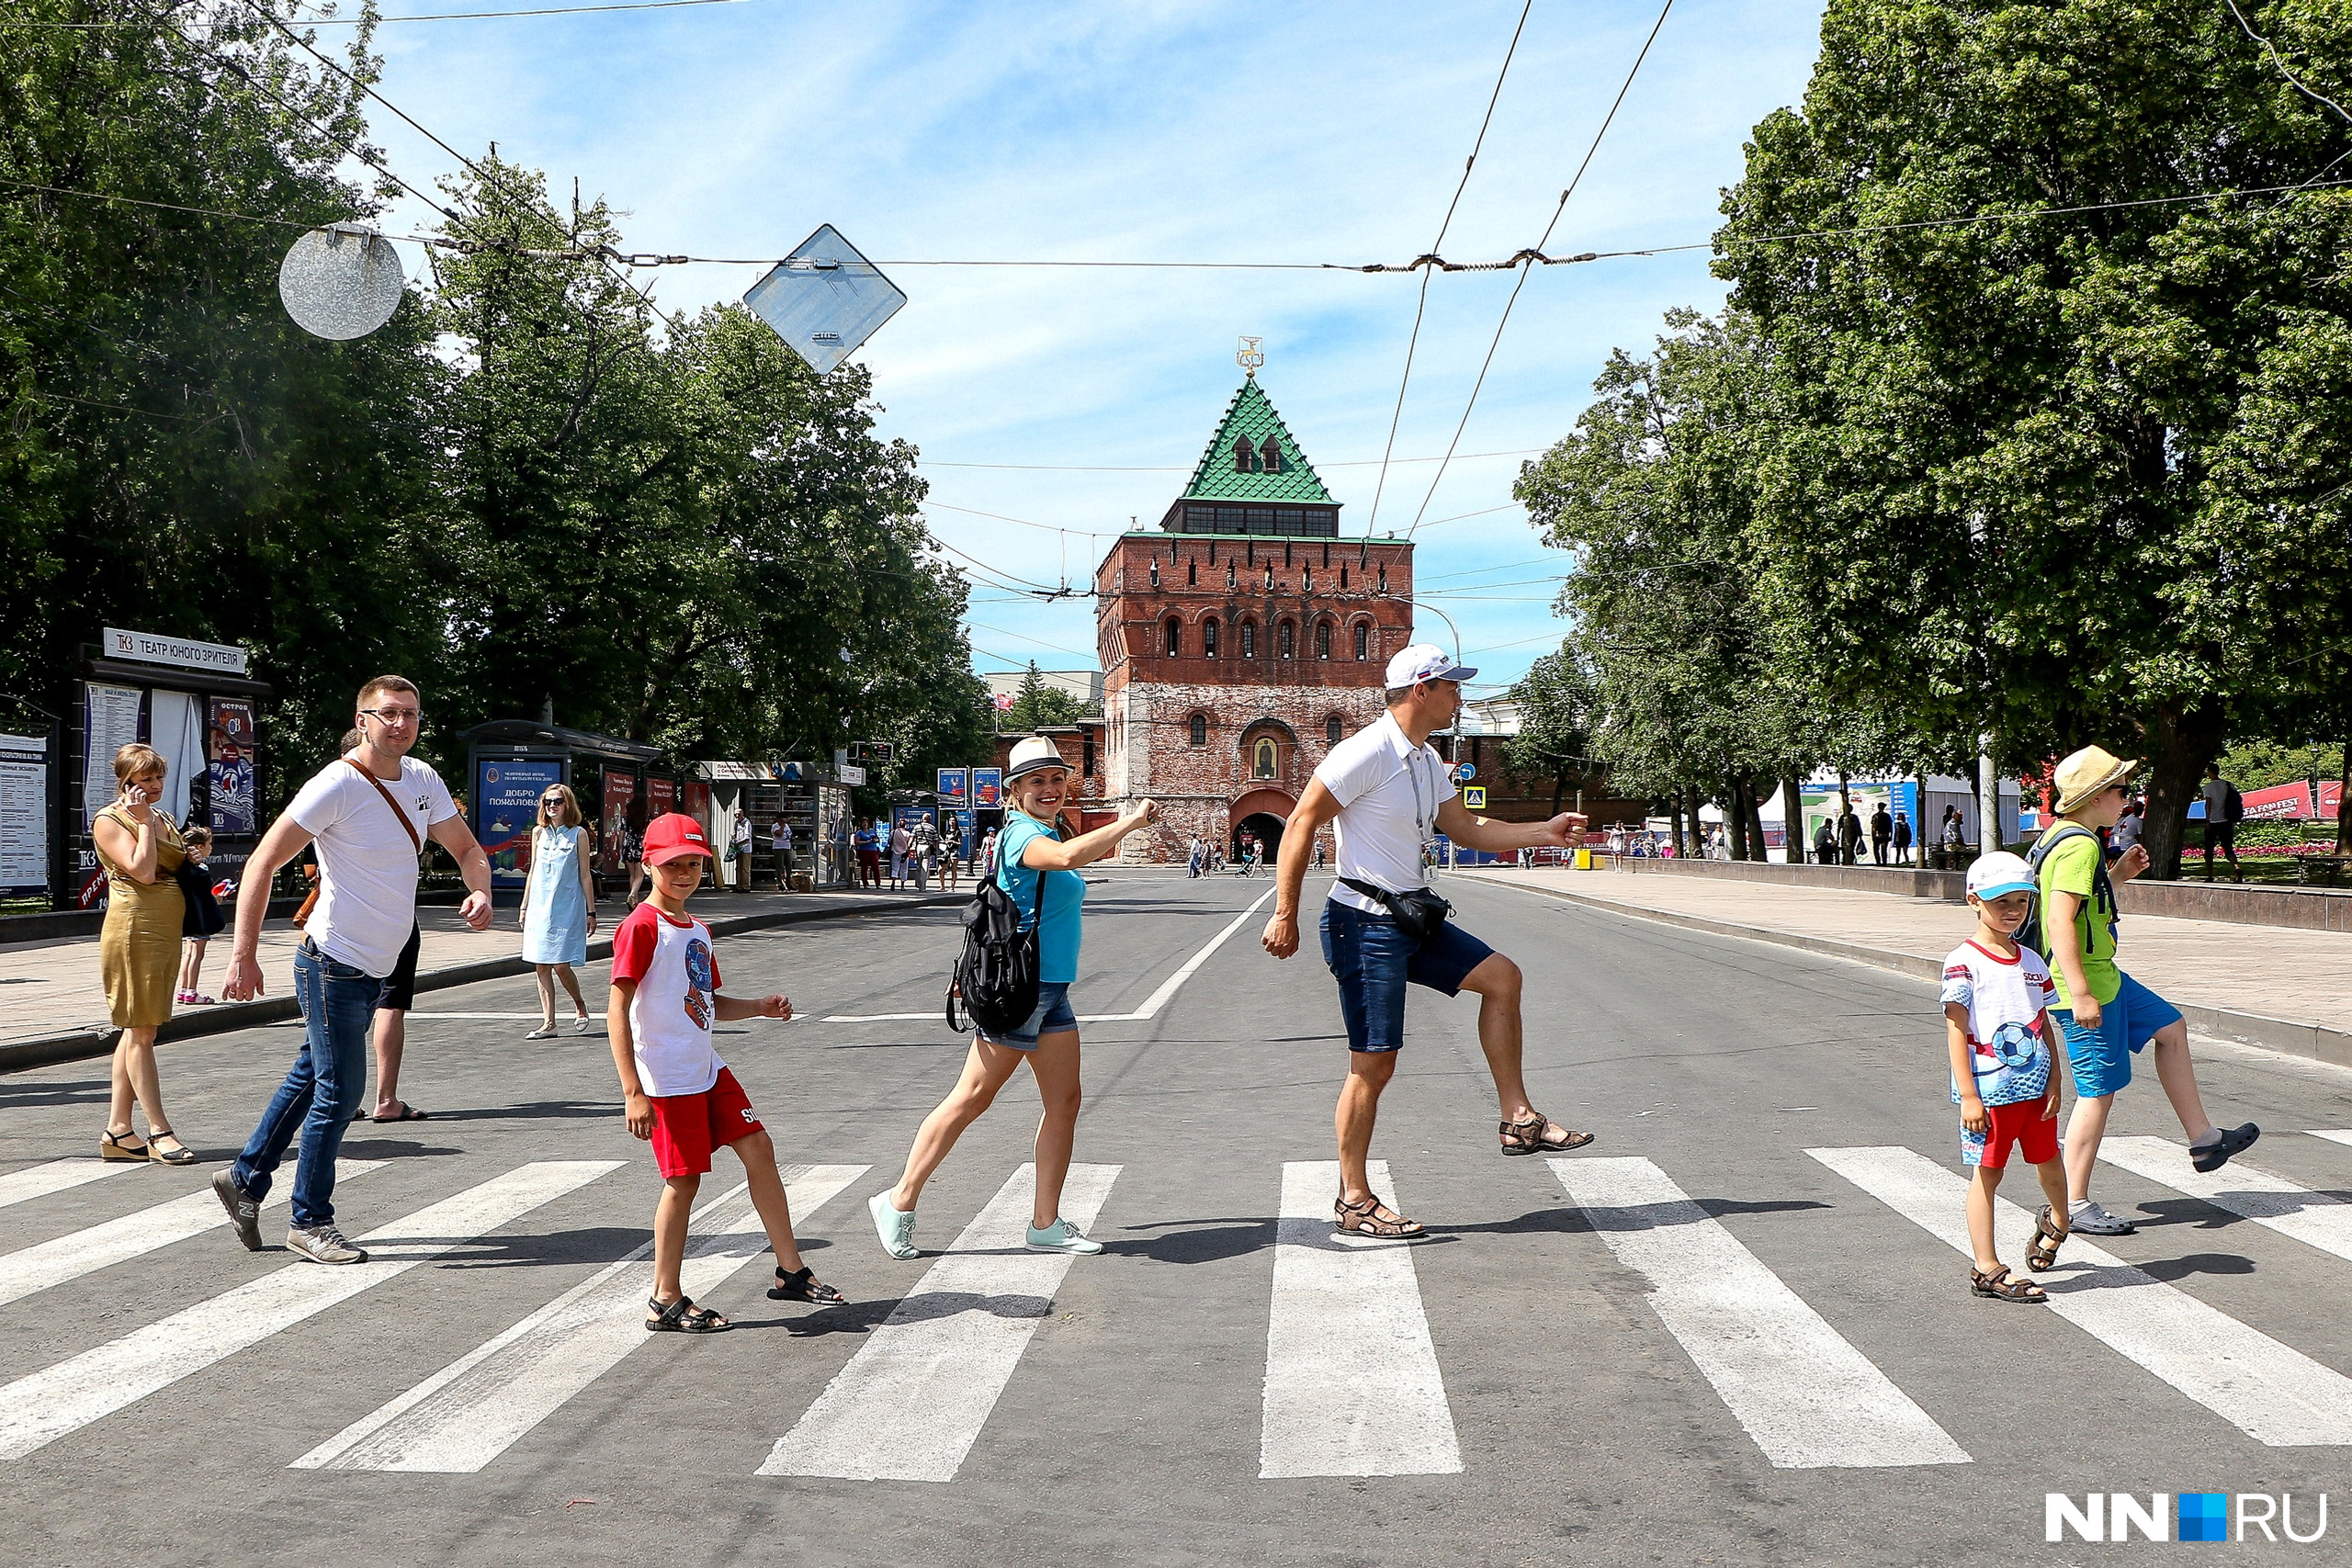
(1388,795)
(370,812)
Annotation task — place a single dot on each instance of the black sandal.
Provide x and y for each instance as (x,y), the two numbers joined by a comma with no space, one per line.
(112,1146)
(2001,1288)
(181,1156)
(1525,1136)
(2047,1239)
(681,1316)
(1364,1219)
(802,1285)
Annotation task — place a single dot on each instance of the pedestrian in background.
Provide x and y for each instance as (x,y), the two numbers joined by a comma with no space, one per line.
(626,852)
(1902,839)
(203,920)
(2224,809)
(902,844)
(739,853)
(1955,834)
(869,853)
(924,853)
(1825,842)
(558,910)
(1194,856)
(2126,830)
(1040,871)
(1882,833)
(988,854)
(1849,835)
(780,845)
(139,948)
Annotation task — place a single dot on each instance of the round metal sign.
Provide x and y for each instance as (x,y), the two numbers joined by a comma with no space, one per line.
(1465,773)
(341,282)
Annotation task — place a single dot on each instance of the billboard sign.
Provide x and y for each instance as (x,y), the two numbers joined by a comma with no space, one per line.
(988,787)
(229,752)
(951,785)
(24,814)
(506,802)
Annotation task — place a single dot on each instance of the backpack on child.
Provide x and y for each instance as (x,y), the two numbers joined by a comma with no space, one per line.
(2030,934)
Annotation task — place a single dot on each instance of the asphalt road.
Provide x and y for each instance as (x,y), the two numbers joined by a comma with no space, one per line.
(1121,1409)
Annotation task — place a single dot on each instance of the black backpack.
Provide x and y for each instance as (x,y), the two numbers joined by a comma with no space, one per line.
(2031,934)
(2233,804)
(996,974)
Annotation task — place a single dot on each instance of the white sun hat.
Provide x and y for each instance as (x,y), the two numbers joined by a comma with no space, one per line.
(1032,756)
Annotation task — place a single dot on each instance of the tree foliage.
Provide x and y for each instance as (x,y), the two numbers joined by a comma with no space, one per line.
(1035,704)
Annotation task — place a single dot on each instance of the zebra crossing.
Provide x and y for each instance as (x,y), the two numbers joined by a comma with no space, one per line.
(1354,1384)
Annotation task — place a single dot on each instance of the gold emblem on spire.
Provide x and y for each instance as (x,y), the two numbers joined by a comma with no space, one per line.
(1251,355)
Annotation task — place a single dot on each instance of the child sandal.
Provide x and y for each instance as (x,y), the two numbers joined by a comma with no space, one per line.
(681,1316)
(801,1284)
(2047,1238)
(2001,1288)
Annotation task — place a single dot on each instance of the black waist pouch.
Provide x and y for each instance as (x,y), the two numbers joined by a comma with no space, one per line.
(1419,914)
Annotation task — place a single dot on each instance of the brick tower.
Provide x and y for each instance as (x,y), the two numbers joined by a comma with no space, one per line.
(1241,639)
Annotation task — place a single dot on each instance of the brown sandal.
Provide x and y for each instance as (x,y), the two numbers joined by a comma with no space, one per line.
(1365,1218)
(2047,1239)
(2001,1288)
(1525,1136)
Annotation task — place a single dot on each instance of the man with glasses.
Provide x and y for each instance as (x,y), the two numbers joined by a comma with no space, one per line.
(369,812)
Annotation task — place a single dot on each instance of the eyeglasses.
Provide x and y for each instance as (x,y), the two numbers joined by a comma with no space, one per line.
(393,716)
(551,800)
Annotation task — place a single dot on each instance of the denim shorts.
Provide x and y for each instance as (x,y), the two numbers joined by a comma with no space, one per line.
(1374,961)
(2101,1057)
(1054,1015)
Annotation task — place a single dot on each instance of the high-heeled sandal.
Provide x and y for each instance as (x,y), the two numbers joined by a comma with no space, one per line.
(112,1146)
(181,1156)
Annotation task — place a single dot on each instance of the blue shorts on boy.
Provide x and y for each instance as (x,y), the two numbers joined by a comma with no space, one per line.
(2005,998)
(2101,1057)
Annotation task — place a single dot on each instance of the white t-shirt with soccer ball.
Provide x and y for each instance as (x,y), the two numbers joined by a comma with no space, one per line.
(2005,999)
(677,988)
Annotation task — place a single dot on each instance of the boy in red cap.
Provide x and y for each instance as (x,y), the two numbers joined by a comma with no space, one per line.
(680,1095)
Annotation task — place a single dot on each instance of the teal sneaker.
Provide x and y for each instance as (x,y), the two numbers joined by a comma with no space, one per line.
(896,1229)
(1062,1236)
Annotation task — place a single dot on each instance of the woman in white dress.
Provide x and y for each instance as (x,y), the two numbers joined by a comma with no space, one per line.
(559,905)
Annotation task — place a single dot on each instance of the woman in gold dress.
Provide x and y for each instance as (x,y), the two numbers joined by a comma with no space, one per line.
(139,948)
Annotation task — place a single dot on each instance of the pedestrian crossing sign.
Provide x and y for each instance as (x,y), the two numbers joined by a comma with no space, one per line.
(1473,796)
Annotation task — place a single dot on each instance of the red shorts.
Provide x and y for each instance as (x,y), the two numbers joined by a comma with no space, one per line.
(2022,1124)
(686,1127)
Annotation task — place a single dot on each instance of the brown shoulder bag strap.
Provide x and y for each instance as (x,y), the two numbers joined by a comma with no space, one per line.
(407,827)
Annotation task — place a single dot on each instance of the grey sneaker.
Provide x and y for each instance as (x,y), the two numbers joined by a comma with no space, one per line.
(245,1214)
(322,1243)
(2089,1219)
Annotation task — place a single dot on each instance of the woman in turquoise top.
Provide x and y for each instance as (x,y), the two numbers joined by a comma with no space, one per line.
(1040,870)
(559,905)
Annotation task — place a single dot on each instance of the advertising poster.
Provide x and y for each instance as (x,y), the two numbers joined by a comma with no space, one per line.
(110,718)
(661,798)
(963,834)
(2281,803)
(951,787)
(619,790)
(506,798)
(907,816)
(988,787)
(229,748)
(697,803)
(24,814)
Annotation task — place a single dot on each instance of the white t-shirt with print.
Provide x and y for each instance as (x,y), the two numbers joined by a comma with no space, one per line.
(367,864)
(2005,999)
(670,1013)
(1389,791)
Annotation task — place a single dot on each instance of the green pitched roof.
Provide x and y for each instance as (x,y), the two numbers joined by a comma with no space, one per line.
(1250,414)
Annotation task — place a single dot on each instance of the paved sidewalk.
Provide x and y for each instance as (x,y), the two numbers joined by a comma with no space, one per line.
(2290,991)
(50,989)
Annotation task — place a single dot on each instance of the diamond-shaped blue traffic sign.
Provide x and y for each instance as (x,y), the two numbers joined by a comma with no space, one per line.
(825,299)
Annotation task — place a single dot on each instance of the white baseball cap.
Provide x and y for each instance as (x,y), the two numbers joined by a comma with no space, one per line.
(1990,876)
(1425,661)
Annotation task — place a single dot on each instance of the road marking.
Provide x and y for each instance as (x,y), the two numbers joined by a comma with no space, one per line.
(913,1401)
(2274,1393)
(52,1263)
(473,1410)
(2332,1135)
(1352,1386)
(1804,1393)
(40,1180)
(2312,1218)
(39,1408)
(936,1015)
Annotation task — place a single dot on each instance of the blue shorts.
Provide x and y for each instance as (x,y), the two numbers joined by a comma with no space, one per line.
(1053,1015)
(2101,1057)
(1374,961)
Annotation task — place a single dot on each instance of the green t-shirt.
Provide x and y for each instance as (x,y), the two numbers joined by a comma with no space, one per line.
(2070,868)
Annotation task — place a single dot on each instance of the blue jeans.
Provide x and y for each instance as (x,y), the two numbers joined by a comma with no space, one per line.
(321,1095)
(1374,961)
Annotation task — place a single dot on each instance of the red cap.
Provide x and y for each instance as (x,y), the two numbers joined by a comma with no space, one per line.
(672,834)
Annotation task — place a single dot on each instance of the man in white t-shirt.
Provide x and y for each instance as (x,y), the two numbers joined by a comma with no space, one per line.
(369,813)
(1388,796)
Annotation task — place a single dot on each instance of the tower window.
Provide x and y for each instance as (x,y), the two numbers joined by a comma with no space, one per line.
(1228,575)
(1244,456)
(1333,729)
(1192,575)
(1344,579)
(1264,760)
(1155,572)
(1363,640)
(1384,578)
(1287,640)
(1208,638)
(1200,729)
(1249,639)
(1322,639)
(1271,455)
(1175,637)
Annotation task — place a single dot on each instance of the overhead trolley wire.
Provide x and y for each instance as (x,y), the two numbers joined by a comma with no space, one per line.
(428,16)
(1526,269)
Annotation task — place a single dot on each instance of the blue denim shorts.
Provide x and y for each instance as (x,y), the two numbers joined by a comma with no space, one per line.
(1053,1015)
(2101,1057)
(1373,961)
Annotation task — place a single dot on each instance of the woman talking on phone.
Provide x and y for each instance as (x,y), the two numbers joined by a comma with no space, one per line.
(139,948)
(1039,870)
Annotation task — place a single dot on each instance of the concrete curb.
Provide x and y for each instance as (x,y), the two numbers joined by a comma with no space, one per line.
(2286,1036)
(80,1045)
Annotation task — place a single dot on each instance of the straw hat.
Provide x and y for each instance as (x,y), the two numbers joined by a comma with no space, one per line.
(2086,773)
(1034,755)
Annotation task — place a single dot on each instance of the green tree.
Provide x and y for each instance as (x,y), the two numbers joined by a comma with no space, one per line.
(1558,700)
(1035,704)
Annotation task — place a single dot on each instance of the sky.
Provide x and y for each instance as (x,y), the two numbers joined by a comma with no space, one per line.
(1075,399)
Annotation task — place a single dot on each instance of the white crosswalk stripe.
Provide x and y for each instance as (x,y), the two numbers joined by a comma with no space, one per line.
(2332,1135)
(471,1412)
(2275,1394)
(2312,1218)
(1352,1386)
(52,1263)
(914,1398)
(1808,1398)
(56,1175)
(38,1409)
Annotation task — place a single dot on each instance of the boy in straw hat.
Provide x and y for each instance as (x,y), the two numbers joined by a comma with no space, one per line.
(2105,1016)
